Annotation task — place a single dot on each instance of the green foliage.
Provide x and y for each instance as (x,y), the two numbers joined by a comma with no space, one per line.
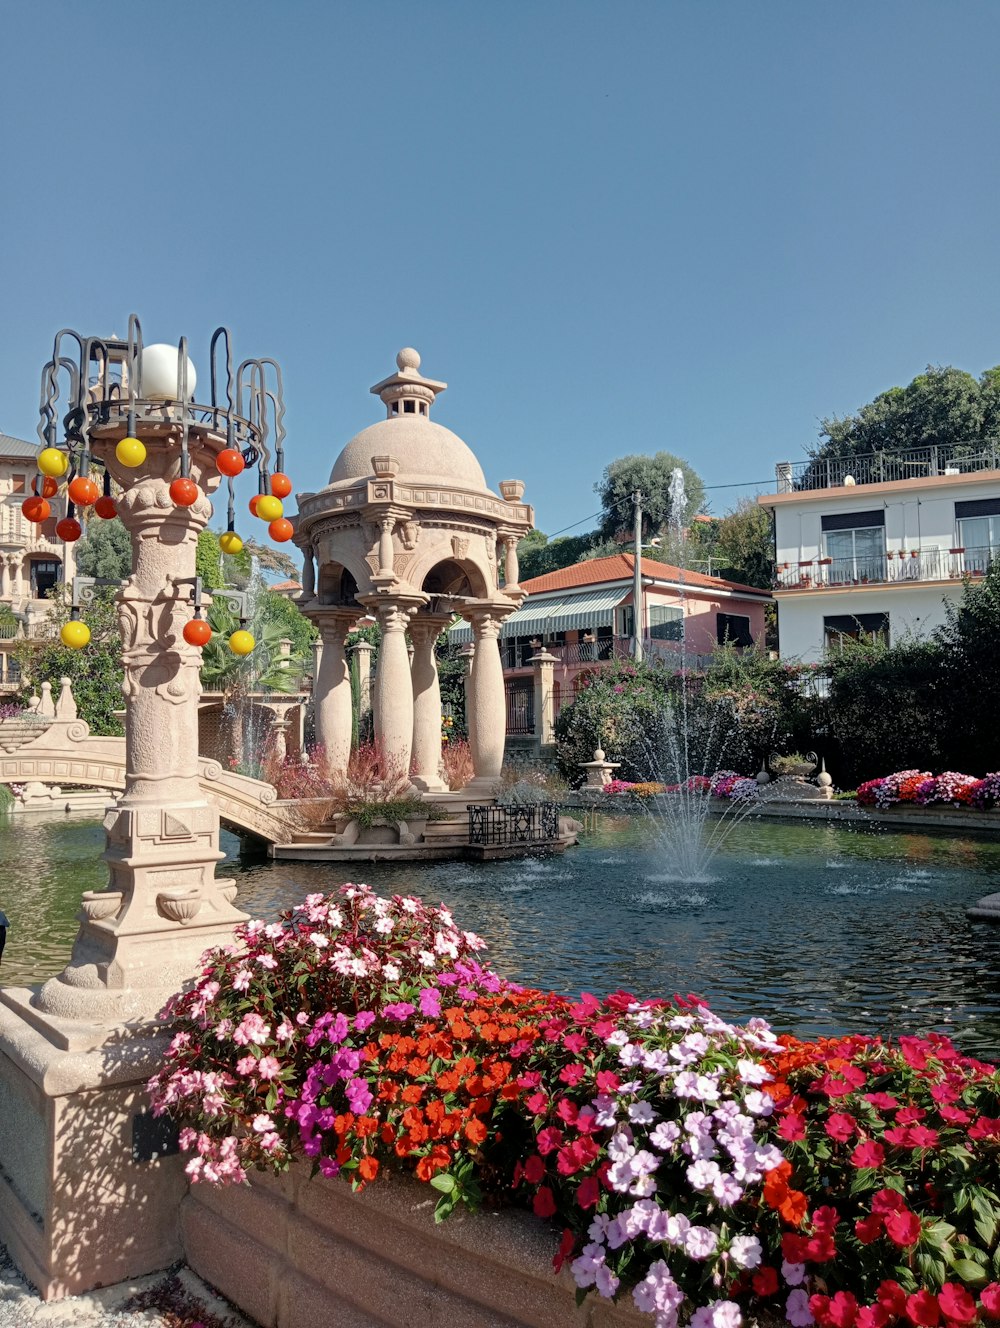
(742,544)
(105,550)
(369,812)
(942,406)
(651,475)
(96,673)
(265,669)
(217,568)
(451,677)
(537,554)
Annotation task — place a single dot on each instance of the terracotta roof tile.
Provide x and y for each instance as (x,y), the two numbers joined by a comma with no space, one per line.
(619,568)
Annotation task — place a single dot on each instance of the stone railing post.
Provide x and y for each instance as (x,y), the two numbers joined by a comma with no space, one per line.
(543,665)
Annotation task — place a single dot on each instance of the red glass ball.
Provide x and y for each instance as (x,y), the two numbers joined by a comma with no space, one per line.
(50,487)
(83,491)
(106,507)
(281,530)
(36,510)
(69,529)
(184,492)
(229,461)
(281,485)
(197,632)
(252,504)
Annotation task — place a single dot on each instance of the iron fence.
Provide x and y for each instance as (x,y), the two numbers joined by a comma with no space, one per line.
(512,823)
(520,708)
(891,568)
(886,467)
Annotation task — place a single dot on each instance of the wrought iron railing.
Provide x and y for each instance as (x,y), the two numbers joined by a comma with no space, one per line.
(520,709)
(513,823)
(893,567)
(884,467)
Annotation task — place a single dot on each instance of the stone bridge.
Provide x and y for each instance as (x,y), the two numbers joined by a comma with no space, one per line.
(49,745)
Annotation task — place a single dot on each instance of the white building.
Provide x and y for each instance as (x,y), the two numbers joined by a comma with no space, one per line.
(879,544)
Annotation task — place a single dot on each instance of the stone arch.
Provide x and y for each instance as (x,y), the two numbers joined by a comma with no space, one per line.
(336,585)
(455,576)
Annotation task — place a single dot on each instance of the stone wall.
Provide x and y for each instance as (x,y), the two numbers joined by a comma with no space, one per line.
(295,1252)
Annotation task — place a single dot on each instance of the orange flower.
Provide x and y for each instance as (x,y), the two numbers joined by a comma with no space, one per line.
(412,1093)
(448,1081)
(368,1168)
(437,1160)
(794,1207)
(476,1132)
(365,1125)
(776,1185)
(465,1066)
(417,1067)
(342,1124)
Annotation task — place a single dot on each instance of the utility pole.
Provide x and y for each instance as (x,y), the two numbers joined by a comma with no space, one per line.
(637,581)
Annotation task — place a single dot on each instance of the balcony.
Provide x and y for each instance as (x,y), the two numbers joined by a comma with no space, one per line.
(580,654)
(887,467)
(897,567)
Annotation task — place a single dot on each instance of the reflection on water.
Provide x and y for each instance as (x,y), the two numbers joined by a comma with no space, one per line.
(819,928)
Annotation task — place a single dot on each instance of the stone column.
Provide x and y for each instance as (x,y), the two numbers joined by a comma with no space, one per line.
(511,569)
(424,632)
(332,688)
(544,666)
(362,651)
(393,692)
(308,574)
(487,710)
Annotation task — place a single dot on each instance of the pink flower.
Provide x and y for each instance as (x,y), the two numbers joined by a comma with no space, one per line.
(903,1228)
(956,1304)
(269,1067)
(922,1309)
(840,1126)
(989,1299)
(868,1154)
(868,1229)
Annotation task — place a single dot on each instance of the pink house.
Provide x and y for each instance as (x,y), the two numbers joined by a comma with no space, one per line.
(583,615)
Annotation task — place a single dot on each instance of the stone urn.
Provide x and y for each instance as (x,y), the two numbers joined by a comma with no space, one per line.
(18,730)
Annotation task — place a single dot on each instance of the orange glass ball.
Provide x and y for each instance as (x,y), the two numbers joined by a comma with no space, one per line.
(229,461)
(252,504)
(83,491)
(281,485)
(281,530)
(36,510)
(50,487)
(197,632)
(69,529)
(106,507)
(184,492)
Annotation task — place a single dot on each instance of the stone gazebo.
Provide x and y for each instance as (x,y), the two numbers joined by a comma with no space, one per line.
(408,532)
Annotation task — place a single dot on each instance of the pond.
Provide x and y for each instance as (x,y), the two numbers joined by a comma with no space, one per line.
(820,929)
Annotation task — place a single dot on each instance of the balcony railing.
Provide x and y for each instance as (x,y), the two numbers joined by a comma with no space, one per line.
(892,568)
(883,467)
(602,650)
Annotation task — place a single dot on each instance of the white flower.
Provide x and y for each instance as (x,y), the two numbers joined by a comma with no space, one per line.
(665,1135)
(700,1242)
(793,1273)
(702,1175)
(319,940)
(641,1113)
(758,1104)
(752,1073)
(745,1251)
(391,972)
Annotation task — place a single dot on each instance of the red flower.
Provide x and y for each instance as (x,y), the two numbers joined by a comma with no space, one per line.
(989,1299)
(909,1115)
(588,1192)
(915,1054)
(819,1308)
(534,1170)
(572,1074)
(793,1247)
(566,1247)
(607,1081)
(923,1137)
(872,1316)
(544,1204)
(903,1228)
(843,1310)
(922,1309)
(868,1229)
(985,1127)
(820,1249)
(892,1298)
(898,1136)
(765,1281)
(868,1154)
(567,1111)
(956,1303)
(887,1201)
(825,1220)
(548,1139)
(884,1101)
(954,1115)
(792,1127)
(840,1126)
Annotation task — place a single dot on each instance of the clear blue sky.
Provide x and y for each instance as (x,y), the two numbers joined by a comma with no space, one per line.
(611,227)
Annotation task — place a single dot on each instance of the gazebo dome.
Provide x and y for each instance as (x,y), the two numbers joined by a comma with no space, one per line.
(427,452)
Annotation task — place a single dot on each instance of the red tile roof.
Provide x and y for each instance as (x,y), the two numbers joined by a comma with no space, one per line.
(619,568)
(286,585)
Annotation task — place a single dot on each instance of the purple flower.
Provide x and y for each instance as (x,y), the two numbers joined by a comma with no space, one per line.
(398,1010)
(430,1002)
(359,1096)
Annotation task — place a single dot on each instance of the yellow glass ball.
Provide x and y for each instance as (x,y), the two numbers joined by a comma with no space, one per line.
(241,643)
(230,542)
(74,634)
(131,452)
(53,462)
(269,508)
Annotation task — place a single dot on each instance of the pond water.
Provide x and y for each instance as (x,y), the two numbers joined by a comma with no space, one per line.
(820,929)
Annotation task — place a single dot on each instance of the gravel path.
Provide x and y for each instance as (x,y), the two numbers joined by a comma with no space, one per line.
(175,1299)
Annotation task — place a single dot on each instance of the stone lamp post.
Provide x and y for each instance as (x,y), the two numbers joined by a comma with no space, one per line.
(88,1190)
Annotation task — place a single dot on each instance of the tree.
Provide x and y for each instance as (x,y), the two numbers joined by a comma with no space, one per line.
(105,550)
(537,555)
(943,406)
(652,476)
(744,545)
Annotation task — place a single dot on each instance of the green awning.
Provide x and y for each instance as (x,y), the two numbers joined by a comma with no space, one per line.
(562,611)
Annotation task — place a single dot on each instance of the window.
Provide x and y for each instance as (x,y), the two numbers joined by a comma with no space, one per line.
(626,620)
(978,525)
(855,544)
(858,627)
(733,629)
(17,484)
(44,576)
(409,407)
(666,622)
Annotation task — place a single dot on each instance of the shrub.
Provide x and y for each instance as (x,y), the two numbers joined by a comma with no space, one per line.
(456,755)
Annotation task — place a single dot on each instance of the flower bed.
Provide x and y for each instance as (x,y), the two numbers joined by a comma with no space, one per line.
(723,784)
(697,1170)
(924,789)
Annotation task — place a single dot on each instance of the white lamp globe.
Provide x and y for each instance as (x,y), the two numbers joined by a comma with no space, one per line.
(158,381)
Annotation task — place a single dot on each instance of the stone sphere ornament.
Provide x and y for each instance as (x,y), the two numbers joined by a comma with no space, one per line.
(184,492)
(131,452)
(74,634)
(69,529)
(36,510)
(269,508)
(106,508)
(197,632)
(281,485)
(230,542)
(281,530)
(158,382)
(230,462)
(83,491)
(53,462)
(241,642)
